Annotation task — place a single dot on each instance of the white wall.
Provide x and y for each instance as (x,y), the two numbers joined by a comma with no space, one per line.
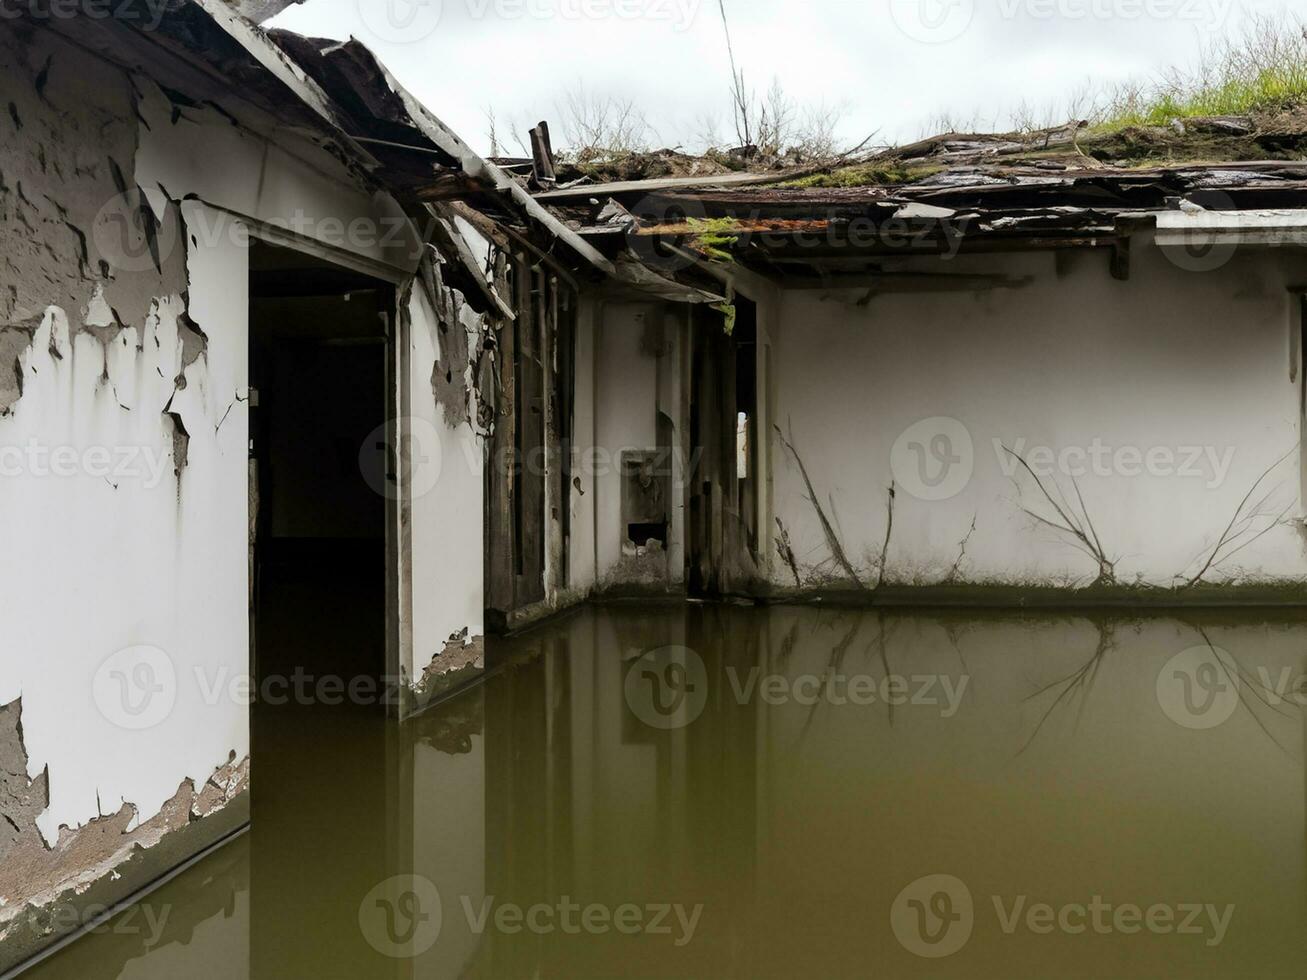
(100,564)
(159,557)
(447,510)
(626,414)
(1168,360)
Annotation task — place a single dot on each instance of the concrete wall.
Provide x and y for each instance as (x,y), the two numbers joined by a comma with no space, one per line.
(122,503)
(1163,399)
(123,421)
(445,520)
(638,373)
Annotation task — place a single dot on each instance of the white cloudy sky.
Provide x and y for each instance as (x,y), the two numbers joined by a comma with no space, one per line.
(896,64)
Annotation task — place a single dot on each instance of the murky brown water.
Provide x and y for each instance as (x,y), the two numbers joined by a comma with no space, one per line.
(966,796)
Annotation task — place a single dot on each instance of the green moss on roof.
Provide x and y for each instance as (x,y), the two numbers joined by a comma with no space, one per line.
(866,175)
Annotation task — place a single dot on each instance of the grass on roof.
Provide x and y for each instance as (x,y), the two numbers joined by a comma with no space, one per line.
(1262,69)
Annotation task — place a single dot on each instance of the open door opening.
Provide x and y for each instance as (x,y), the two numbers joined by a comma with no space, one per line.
(322,562)
(722,539)
(319,375)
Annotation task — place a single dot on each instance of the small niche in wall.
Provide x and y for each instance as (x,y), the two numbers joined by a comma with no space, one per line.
(645,492)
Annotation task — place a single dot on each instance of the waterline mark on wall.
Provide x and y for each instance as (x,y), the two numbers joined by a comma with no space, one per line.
(935,916)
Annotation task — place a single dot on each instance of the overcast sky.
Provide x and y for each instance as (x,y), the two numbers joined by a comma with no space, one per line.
(895,64)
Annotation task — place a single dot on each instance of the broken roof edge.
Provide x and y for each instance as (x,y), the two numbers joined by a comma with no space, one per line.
(281,66)
(495,180)
(293,77)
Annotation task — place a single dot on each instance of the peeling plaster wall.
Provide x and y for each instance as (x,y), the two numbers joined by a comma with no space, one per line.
(447,521)
(292,185)
(123,325)
(1170,359)
(131,355)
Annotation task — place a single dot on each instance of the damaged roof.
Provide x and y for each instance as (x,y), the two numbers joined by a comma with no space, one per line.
(1069,186)
(340,93)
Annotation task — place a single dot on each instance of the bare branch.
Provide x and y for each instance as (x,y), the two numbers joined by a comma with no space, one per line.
(832,540)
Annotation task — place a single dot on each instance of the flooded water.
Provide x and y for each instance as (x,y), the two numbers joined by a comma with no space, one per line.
(691,791)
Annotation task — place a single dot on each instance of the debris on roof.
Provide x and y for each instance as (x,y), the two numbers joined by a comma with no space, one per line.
(1068,186)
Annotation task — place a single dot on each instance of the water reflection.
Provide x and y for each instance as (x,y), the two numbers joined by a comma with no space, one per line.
(822,792)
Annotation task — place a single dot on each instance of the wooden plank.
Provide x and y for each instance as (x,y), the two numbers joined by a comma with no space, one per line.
(542,155)
(455,246)
(556,503)
(500,558)
(530,478)
(583,191)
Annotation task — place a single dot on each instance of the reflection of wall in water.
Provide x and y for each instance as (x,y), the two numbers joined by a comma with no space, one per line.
(583,800)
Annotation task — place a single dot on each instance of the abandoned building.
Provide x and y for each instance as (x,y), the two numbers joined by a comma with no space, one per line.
(265,321)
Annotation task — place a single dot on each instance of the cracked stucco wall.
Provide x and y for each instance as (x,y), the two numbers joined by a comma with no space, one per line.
(122,345)
(34,873)
(124,328)
(447,340)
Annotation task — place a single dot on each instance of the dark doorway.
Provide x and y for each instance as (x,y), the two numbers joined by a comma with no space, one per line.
(319,352)
(321,492)
(722,533)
